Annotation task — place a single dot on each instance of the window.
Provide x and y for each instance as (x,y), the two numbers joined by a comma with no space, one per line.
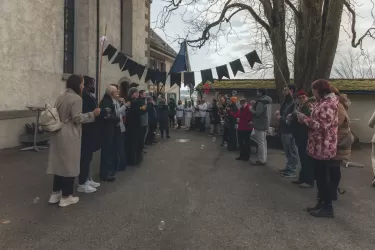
(69,36)
(127,27)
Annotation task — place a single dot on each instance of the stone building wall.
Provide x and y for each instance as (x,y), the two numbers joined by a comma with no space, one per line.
(32,38)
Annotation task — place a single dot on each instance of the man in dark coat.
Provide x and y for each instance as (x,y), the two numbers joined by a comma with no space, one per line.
(152,120)
(144,117)
(90,140)
(232,122)
(137,108)
(108,129)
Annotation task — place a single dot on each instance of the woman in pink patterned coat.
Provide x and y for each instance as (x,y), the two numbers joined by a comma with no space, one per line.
(322,143)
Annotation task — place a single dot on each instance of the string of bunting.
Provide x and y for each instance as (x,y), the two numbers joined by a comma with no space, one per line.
(156,77)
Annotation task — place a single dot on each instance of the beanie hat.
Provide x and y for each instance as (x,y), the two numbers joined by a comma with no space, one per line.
(132,90)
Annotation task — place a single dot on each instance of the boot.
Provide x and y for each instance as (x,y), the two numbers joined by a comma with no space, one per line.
(318,206)
(326,211)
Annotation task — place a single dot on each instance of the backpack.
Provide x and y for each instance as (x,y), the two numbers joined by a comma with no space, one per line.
(49,118)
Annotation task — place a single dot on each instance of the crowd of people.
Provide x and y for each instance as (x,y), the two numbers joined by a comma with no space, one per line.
(314,131)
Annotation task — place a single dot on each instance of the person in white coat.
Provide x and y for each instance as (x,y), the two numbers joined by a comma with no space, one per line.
(188,115)
(179,114)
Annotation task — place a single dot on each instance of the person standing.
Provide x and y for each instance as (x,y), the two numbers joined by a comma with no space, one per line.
(144,117)
(300,133)
(163,116)
(371,124)
(232,125)
(188,115)
(172,112)
(322,144)
(287,139)
(197,116)
(261,110)
(215,118)
(244,129)
(108,153)
(90,141)
(152,121)
(225,103)
(180,114)
(202,113)
(65,145)
(135,112)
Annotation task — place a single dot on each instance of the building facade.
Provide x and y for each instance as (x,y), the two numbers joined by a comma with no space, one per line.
(45,41)
(162,57)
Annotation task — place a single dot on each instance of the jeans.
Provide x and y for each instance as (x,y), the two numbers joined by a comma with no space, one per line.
(63,184)
(244,142)
(260,137)
(86,158)
(291,152)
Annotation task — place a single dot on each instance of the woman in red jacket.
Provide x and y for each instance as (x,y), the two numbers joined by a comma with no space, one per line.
(244,129)
(322,143)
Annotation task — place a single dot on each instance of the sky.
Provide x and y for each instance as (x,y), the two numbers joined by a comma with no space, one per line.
(237,44)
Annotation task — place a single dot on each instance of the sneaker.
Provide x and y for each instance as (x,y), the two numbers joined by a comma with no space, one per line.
(289,175)
(64,202)
(54,198)
(86,188)
(305,185)
(93,184)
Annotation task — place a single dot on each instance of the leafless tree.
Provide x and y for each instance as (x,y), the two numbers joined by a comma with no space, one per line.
(302,34)
(354,65)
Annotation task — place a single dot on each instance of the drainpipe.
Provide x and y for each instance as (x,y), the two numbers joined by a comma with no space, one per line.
(97,47)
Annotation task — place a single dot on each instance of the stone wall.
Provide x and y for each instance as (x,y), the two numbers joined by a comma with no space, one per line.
(32,38)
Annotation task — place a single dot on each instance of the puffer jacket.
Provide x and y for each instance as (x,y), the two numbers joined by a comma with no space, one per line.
(343,153)
(323,128)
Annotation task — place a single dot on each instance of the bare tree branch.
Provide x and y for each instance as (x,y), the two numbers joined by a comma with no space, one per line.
(294,9)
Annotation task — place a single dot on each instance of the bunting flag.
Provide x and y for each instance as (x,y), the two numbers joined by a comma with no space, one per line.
(236,66)
(253,58)
(151,76)
(130,66)
(110,51)
(120,59)
(222,71)
(175,79)
(140,69)
(189,79)
(161,77)
(207,75)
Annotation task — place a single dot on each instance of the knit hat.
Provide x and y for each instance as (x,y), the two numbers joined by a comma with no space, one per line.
(132,91)
(302,92)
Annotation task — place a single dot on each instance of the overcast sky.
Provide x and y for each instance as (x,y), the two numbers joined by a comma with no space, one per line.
(238,45)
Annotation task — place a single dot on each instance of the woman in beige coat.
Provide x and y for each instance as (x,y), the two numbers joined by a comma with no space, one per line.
(371,124)
(65,146)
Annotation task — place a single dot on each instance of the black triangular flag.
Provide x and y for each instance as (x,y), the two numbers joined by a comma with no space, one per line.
(236,66)
(253,58)
(222,71)
(139,70)
(120,59)
(130,66)
(151,75)
(189,79)
(161,77)
(175,79)
(207,76)
(110,51)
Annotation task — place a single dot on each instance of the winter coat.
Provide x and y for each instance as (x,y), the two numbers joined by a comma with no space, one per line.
(287,107)
(323,129)
(300,130)
(245,117)
(65,145)
(172,108)
(371,124)
(180,111)
(343,152)
(152,116)
(163,117)
(215,116)
(144,113)
(262,113)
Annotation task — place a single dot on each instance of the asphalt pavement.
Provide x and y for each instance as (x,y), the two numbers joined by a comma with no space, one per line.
(205,198)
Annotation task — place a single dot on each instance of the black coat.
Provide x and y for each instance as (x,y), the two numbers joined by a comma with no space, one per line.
(109,122)
(91,131)
(163,115)
(152,118)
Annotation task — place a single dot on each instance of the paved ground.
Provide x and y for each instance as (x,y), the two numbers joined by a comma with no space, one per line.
(207,200)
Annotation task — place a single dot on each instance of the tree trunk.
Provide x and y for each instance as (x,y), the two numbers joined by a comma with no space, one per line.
(330,37)
(308,43)
(278,43)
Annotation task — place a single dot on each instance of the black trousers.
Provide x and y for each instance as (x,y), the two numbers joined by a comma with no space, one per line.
(326,177)
(306,174)
(226,134)
(162,132)
(244,143)
(143,136)
(86,158)
(232,138)
(108,155)
(179,122)
(202,125)
(171,121)
(151,133)
(197,122)
(63,184)
(119,151)
(335,174)
(135,148)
